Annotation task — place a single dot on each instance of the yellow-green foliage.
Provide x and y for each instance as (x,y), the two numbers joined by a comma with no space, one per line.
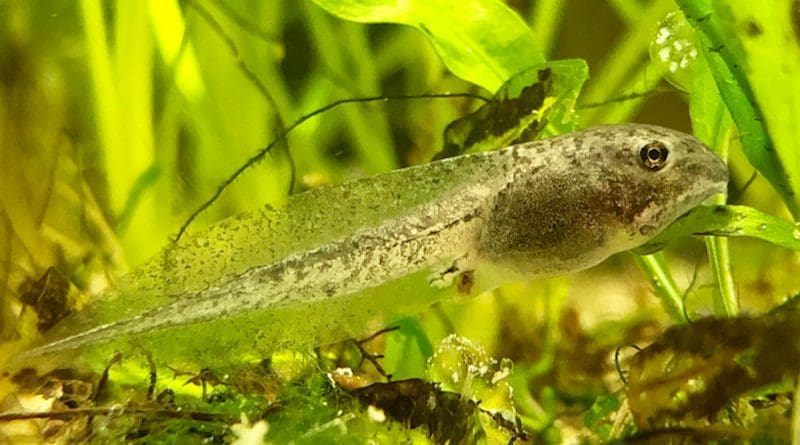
(119,118)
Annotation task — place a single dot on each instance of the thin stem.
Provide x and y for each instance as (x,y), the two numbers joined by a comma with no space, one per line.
(623,60)
(628,11)
(263,151)
(655,267)
(726,302)
(115,411)
(104,97)
(545,20)
(349,56)
(645,79)
(557,294)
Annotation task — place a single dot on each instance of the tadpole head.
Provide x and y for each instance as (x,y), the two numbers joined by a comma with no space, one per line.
(581,197)
(658,174)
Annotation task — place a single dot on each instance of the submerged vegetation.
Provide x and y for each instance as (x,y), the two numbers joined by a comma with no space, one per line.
(126,123)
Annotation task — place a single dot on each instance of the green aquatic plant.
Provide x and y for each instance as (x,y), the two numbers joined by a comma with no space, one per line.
(183,93)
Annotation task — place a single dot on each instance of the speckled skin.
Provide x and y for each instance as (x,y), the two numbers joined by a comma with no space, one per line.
(337,257)
(587,196)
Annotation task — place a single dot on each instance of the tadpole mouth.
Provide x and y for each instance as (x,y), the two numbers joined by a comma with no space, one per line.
(718,174)
(710,201)
(705,166)
(708,174)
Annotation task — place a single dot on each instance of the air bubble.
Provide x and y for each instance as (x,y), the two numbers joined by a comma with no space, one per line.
(116,410)
(796,231)
(462,366)
(761,227)
(662,35)
(673,67)
(673,48)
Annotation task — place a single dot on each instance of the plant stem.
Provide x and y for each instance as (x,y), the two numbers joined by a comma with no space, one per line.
(557,294)
(628,11)
(545,19)
(726,303)
(629,53)
(725,300)
(655,267)
(368,133)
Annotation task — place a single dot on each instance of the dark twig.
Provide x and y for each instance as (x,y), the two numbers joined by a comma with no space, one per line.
(689,290)
(732,199)
(378,334)
(263,152)
(116,410)
(242,23)
(151,389)
(618,367)
(373,358)
(101,384)
(250,75)
(625,97)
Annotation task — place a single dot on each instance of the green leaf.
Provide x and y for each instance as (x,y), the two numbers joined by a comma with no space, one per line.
(599,417)
(769,37)
(530,101)
(710,118)
(712,124)
(407,350)
(739,70)
(481,41)
(729,221)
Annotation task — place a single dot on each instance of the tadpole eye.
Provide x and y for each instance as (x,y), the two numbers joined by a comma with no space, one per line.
(654,155)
